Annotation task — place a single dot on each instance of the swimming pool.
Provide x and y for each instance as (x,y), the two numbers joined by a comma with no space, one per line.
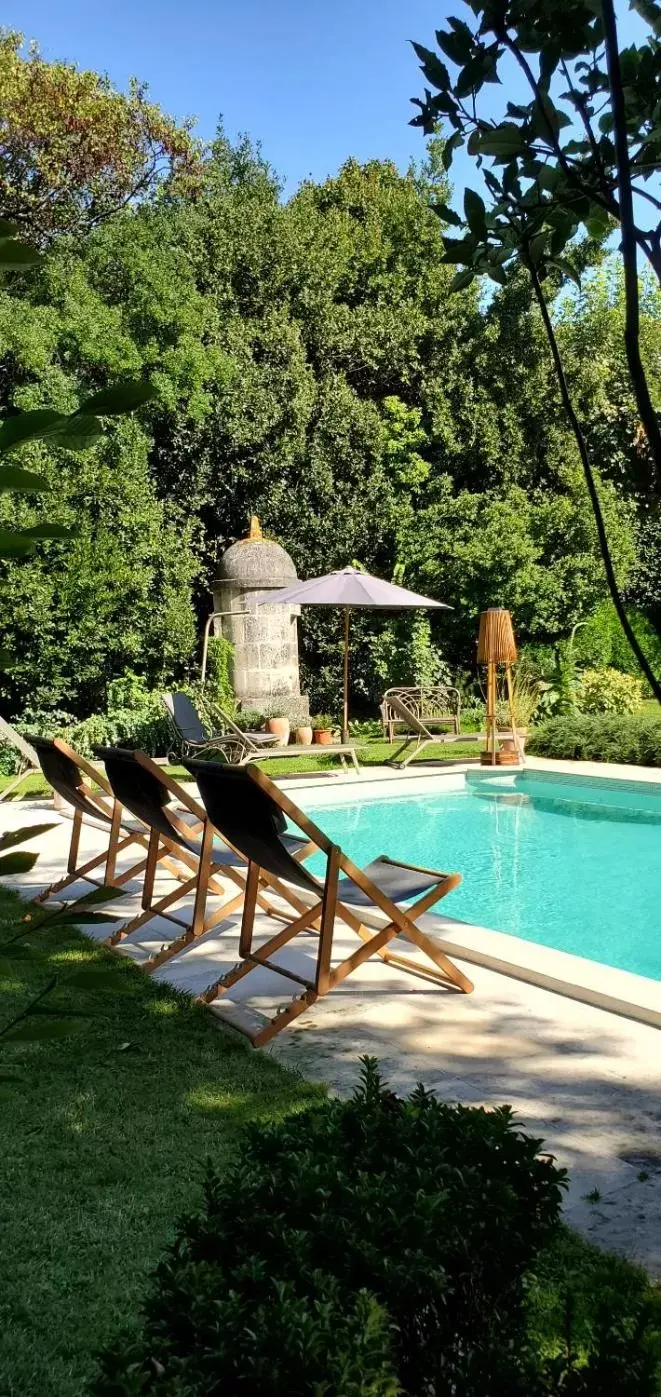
(573,864)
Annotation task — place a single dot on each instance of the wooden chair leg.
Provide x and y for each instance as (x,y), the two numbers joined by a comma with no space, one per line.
(115,827)
(75,841)
(203,874)
(328,910)
(150,870)
(249,907)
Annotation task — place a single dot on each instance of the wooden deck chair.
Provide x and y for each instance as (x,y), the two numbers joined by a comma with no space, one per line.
(194,740)
(74,779)
(202,861)
(250,811)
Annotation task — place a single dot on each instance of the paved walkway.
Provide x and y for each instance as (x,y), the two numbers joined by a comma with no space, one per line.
(586,1081)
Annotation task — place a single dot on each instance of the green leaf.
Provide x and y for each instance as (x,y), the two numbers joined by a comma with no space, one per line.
(476,214)
(46,530)
(20,862)
(548,62)
(506,139)
(598,224)
(7,229)
(12,837)
(7,659)
(14,545)
(28,426)
(448,215)
(462,279)
(650,12)
(37,1029)
(567,270)
(434,70)
(458,252)
(14,255)
(123,397)
(14,478)
(497,274)
(77,432)
(537,246)
(454,46)
(449,148)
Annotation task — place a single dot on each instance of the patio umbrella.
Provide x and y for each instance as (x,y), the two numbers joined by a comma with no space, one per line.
(349,588)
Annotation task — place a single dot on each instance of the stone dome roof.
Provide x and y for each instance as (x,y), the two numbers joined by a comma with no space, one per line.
(256,561)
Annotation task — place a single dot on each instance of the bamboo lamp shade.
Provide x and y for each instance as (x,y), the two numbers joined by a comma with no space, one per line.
(496,644)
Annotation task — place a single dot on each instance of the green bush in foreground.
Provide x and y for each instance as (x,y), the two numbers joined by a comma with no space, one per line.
(373,1246)
(599,738)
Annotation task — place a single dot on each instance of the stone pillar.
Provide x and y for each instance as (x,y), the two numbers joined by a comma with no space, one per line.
(265,640)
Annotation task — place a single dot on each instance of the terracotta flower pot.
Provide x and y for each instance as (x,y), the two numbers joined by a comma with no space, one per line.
(303,736)
(280,729)
(323,736)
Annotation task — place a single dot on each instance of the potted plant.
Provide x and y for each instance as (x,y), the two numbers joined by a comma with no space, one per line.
(322,729)
(277,723)
(302,730)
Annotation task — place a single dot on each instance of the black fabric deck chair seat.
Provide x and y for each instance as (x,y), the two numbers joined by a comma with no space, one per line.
(194,739)
(251,812)
(142,787)
(75,780)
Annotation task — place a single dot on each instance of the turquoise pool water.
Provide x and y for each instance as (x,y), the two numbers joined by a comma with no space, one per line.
(576,866)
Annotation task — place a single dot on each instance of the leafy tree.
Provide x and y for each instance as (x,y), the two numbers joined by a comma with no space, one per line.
(534,553)
(311,367)
(73,149)
(550,185)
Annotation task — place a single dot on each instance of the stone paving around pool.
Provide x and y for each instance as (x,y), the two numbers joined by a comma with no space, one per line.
(585,1080)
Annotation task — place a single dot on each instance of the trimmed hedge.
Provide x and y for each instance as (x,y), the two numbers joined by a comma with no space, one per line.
(369,1247)
(599,738)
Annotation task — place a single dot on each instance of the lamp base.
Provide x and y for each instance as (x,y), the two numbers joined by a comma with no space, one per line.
(502,759)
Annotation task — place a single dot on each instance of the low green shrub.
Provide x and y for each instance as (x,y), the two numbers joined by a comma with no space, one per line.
(135,717)
(599,738)
(249,720)
(368,1247)
(608,691)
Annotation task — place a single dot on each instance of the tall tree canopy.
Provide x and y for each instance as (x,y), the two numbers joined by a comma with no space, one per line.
(311,367)
(73,149)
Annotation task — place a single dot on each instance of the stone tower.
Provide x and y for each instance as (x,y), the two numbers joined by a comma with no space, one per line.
(265,640)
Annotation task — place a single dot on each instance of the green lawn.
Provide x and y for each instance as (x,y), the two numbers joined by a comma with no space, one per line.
(372,753)
(104,1141)
(103,1145)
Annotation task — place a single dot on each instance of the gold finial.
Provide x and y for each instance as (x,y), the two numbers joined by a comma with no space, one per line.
(255,529)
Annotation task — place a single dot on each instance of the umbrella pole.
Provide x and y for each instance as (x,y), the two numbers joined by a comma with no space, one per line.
(345,705)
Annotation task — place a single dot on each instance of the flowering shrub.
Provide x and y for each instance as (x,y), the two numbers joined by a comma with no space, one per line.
(608,691)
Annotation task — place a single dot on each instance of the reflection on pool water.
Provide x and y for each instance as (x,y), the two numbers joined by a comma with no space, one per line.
(575,865)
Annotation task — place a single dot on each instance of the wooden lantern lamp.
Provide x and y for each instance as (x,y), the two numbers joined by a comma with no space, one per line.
(496,647)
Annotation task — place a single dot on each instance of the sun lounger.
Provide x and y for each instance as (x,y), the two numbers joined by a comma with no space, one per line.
(235,746)
(194,740)
(437,706)
(250,812)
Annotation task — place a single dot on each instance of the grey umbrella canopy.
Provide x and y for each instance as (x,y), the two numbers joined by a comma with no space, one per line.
(349,588)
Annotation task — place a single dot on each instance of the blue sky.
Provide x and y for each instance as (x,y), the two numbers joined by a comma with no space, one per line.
(315,83)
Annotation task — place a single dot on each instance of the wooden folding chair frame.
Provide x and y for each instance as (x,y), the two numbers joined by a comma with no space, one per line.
(321,916)
(200,875)
(110,812)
